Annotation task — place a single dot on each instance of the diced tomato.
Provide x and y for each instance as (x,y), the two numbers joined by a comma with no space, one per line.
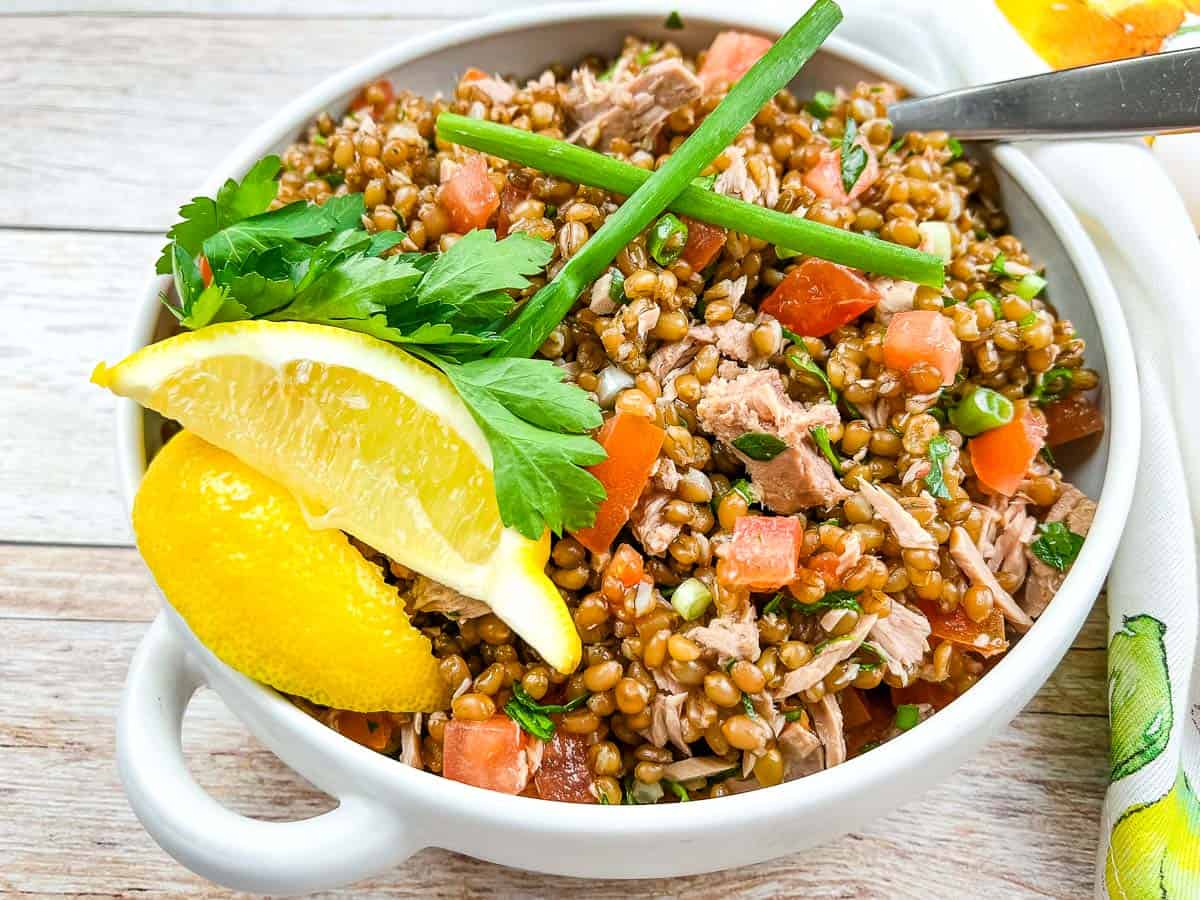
(372,730)
(922,336)
(730,57)
(564,773)
(469,197)
(377,95)
(473,74)
(825,564)
(936,695)
(1002,456)
(1071,418)
(492,754)
(704,242)
(626,566)
(206,274)
(510,198)
(818,296)
(632,443)
(825,178)
(763,552)
(985,638)
(854,710)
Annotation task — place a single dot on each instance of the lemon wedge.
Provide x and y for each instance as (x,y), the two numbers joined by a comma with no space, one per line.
(298,609)
(369,440)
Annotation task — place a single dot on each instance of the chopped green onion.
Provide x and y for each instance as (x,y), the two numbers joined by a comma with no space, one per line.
(936,239)
(1051,385)
(604,801)
(939,450)
(907,716)
(705,182)
(677,789)
(998,264)
(542,312)
(1057,545)
(667,239)
(981,410)
(759,445)
(616,287)
(956,147)
(997,309)
(793,715)
(785,253)
(643,56)
(1026,320)
(674,21)
(822,104)
(691,599)
(820,436)
(1030,286)
(320,140)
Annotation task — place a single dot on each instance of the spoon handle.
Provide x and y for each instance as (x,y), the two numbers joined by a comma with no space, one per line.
(1153,94)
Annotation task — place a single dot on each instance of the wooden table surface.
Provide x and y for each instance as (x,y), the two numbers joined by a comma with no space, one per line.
(114,117)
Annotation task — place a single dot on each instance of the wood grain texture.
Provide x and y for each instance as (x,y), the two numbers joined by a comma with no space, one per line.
(117,109)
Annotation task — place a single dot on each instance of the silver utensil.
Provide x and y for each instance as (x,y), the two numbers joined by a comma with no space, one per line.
(1155,94)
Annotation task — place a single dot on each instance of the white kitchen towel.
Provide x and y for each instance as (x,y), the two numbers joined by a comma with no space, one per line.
(1149,843)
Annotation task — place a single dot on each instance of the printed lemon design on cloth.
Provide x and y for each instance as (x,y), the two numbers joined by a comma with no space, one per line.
(1155,848)
(298,609)
(368,440)
(1139,695)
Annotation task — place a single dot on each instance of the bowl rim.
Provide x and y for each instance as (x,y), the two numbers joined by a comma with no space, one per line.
(1049,639)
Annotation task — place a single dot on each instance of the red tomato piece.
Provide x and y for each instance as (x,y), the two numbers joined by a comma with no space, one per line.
(704,242)
(492,754)
(372,730)
(763,552)
(469,197)
(626,566)
(1071,418)
(985,638)
(632,443)
(510,198)
(206,274)
(564,773)
(825,564)
(1002,456)
(377,95)
(818,296)
(922,336)
(730,57)
(825,178)
(936,695)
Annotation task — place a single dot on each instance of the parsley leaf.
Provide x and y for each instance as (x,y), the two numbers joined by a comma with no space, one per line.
(1051,385)
(820,436)
(674,21)
(1057,545)
(833,600)
(297,221)
(774,604)
(540,725)
(758,445)
(956,147)
(854,157)
(204,216)
(539,482)
(802,360)
(939,450)
(525,699)
(677,789)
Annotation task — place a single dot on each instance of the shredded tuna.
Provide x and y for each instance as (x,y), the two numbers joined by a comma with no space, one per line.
(729,637)
(966,555)
(908,530)
(732,338)
(799,477)
(671,356)
(663,680)
(601,301)
(666,722)
(426,595)
(647,319)
(851,553)
(903,637)
(1076,510)
(630,108)
(988,530)
(649,522)
(410,741)
(665,474)
(1016,531)
(919,469)
(827,720)
(833,652)
(696,767)
(898,296)
(735,181)
(801,751)
(494,90)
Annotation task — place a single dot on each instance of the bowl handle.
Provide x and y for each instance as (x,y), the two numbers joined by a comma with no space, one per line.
(350,842)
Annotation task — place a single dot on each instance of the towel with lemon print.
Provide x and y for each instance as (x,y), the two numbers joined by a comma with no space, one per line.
(1149,841)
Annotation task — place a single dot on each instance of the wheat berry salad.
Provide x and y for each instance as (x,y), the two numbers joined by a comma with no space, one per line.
(638,432)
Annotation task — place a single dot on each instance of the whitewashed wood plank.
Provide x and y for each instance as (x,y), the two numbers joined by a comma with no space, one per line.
(282,9)
(99,142)
(1018,821)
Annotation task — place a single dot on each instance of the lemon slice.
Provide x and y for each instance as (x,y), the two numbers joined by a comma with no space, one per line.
(298,609)
(369,440)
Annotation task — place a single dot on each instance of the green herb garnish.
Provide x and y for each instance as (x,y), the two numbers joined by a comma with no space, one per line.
(896,145)
(939,450)
(956,147)
(802,360)
(677,789)
(522,696)
(538,724)
(643,56)
(616,287)
(854,157)
(820,436)
(907,716)
(748,706)
(758,445)
(774,604)
(839,599)
(1051,385)
(674,21)
(981,410)
(822,104)
(997,309)
(793,715)
(999,265)
(667,239)
(1057,545)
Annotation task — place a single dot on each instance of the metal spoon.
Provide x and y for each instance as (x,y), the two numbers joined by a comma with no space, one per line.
(1155,94)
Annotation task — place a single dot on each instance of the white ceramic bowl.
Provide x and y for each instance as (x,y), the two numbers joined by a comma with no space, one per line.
(386,810)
